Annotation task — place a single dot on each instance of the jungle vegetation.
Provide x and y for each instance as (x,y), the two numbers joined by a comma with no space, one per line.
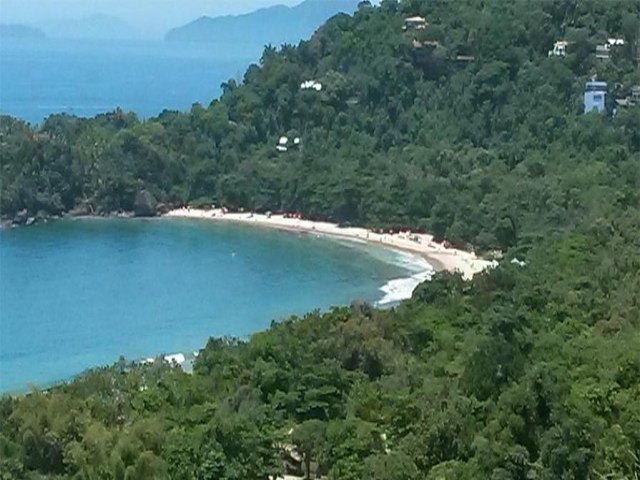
(467,129)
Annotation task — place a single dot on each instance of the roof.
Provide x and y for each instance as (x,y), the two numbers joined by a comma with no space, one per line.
(415,19)
(595,84)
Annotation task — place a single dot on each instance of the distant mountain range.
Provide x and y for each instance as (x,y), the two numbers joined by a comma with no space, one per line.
(21,32)
(273,25)
(98,27)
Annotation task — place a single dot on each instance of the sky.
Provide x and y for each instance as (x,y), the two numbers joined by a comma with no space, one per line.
(150,17)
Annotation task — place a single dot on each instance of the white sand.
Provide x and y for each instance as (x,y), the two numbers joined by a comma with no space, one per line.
(440,257)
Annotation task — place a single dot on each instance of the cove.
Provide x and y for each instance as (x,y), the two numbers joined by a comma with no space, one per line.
(76,294)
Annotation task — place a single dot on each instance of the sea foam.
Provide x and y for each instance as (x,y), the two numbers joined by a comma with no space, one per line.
(398,289)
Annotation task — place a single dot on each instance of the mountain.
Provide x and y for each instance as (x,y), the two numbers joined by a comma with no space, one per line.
(273,25)
(20,32)
(93,27)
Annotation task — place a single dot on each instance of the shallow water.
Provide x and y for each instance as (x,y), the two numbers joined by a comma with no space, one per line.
(79,293)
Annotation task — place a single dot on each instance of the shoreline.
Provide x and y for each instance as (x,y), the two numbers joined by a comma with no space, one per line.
(422,257)
(440,258)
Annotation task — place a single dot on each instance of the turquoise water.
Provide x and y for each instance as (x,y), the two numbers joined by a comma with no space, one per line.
(79,293)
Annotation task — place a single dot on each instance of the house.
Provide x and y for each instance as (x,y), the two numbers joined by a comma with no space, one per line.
(594,96)
(429,43)
(632,100)
(603,52)
(615,42)
(311,85)
(465,58)
(559,49)
(282,144)
(415,23)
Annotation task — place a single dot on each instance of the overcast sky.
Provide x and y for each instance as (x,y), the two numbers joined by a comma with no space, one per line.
(151,17)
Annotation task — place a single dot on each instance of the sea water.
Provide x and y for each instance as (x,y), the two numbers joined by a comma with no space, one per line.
(79,293)
(88,77)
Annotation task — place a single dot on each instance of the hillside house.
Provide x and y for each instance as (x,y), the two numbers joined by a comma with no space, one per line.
(632,100)
(465,58)
(559,49)
(594,96)
(415,23)
(311,85)
(603,52)
(282,144)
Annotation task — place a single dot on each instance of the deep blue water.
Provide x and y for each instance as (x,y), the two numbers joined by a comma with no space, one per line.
(79,293)
(84,78)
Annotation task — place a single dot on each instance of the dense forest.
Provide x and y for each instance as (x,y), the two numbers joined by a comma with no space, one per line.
(465,127)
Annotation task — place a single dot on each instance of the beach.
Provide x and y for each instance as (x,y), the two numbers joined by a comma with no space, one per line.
(440,257)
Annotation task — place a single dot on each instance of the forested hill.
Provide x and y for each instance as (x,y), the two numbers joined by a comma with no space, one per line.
(251,31)
(466,128)
(477,135)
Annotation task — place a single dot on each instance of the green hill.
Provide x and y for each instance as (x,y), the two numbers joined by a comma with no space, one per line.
(465,128)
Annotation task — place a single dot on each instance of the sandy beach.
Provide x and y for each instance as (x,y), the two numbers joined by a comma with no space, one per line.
(437,255)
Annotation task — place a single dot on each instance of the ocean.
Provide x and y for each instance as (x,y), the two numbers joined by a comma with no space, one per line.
(78,293)
(88,77)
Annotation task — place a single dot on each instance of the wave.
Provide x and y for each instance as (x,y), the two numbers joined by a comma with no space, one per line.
(398,289)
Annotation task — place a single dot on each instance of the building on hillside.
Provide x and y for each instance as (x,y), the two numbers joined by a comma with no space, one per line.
(415,23)
(559,49)
(632,100)
(615,42)
(282,144)
(595,94)
(465,58)
(603,52)
(311,85)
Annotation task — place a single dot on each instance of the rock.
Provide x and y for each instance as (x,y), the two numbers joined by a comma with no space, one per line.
(144,204)
(42,216)
(30,221)
(162,208)
(21,217)
(79,211)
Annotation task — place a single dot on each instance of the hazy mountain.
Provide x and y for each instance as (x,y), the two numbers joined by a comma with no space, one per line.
(96,26)
(273,25)
(20,32)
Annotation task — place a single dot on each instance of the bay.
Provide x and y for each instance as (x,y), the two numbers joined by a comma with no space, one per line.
(78,293)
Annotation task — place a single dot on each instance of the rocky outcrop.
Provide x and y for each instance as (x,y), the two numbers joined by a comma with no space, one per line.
(21,217)
(144,204)
(162,208)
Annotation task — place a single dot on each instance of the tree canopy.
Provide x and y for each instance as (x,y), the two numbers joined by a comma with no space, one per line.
(467,129)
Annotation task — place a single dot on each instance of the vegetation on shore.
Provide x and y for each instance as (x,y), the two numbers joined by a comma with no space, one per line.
(530,371)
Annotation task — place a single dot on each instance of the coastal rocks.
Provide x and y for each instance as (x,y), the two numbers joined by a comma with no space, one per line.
(21,217)
(81,210)
(42,216)
(162,208)
(144,204)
